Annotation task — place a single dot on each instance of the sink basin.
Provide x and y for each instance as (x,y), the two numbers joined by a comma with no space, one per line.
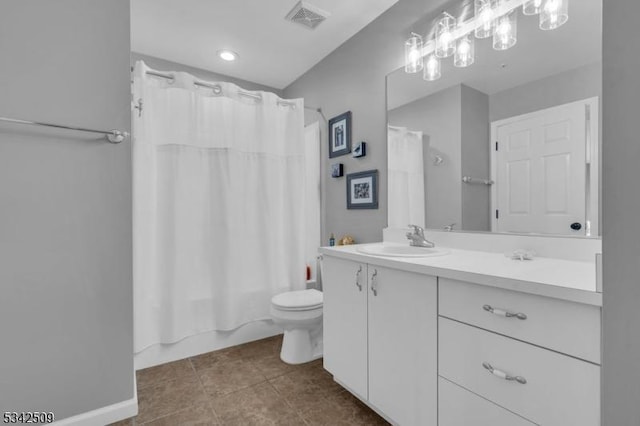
(399,250)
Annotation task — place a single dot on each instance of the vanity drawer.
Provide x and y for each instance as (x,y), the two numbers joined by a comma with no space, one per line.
(559,390)
(566,327)
(459,407)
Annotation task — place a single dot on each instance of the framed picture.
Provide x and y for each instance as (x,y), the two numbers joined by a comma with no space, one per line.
(362,190)
(337,170)
(360,150)
(340,135)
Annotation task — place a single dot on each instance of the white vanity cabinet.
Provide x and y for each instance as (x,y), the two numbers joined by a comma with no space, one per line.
(433,342)
(380,337)
(534,356)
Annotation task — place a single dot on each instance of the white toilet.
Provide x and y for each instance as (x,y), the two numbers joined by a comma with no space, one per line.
(299,313)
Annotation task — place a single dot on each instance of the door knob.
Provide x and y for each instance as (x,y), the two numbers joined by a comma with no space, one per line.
(576,226)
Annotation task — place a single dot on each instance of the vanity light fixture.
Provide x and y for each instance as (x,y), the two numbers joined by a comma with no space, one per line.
(497,18)
(445,43)
(505,34)
(483,11)
(553,14)
(465,51)
(413,60)
(532,7)
(227,55)
(432,68)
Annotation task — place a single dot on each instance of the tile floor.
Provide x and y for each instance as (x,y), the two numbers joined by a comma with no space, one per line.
(245,385)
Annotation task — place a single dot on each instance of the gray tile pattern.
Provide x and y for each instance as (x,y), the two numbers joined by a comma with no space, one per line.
(245,385)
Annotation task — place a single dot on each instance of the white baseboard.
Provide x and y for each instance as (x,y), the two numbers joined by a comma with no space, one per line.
(105,415)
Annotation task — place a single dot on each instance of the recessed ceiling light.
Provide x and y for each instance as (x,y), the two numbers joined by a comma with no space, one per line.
(227,55)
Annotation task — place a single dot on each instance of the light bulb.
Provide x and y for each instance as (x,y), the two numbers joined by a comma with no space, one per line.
(465,52)
(432,69)
(227,55)
(484,13)
(553,14)
(445,45)
(505,35)
(413,61)
(532,7)
(445,38)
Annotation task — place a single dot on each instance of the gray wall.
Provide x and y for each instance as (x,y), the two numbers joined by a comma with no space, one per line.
(352,78)
(621,210)
(569,86)
(438,117)
(165,65)
(475,158)
(65,218)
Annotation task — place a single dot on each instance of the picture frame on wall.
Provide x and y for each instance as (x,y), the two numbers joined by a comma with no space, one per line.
(340,135)
(360,150)
(362,190)
(337,170)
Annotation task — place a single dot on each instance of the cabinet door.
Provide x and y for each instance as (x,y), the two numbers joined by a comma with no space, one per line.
(345,322)
(402,345)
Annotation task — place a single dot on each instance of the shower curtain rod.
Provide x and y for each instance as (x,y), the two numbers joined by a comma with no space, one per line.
(318,110)
(217,89)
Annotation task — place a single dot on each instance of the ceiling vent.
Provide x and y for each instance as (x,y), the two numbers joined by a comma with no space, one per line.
(308,15)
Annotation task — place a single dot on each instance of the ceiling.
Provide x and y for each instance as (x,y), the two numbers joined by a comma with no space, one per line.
(536,55)
(272,51)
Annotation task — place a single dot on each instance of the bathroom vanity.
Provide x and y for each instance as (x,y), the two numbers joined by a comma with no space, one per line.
(508,151)
(469,334)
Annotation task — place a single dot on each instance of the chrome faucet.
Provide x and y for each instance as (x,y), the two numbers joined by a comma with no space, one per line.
(417,239)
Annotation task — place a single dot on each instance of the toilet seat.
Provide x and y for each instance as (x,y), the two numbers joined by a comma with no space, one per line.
(301,300)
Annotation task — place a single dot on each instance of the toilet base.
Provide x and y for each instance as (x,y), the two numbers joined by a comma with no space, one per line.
(301,345)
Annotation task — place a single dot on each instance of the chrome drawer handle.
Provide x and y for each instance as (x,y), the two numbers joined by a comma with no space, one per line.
(374,285)
(503,375)
(358,278)
(503,313)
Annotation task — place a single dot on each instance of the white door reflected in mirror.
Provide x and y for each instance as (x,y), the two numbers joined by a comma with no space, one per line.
(544,170)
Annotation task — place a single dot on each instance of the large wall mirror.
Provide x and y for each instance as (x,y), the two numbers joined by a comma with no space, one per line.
(510,143)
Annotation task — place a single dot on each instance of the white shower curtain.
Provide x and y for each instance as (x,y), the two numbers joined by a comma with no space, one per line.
(406,198)
(219,193)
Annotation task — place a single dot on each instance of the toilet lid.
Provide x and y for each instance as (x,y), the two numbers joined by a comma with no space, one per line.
(296,300)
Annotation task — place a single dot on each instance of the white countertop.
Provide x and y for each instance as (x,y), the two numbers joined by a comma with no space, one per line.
(558,278)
